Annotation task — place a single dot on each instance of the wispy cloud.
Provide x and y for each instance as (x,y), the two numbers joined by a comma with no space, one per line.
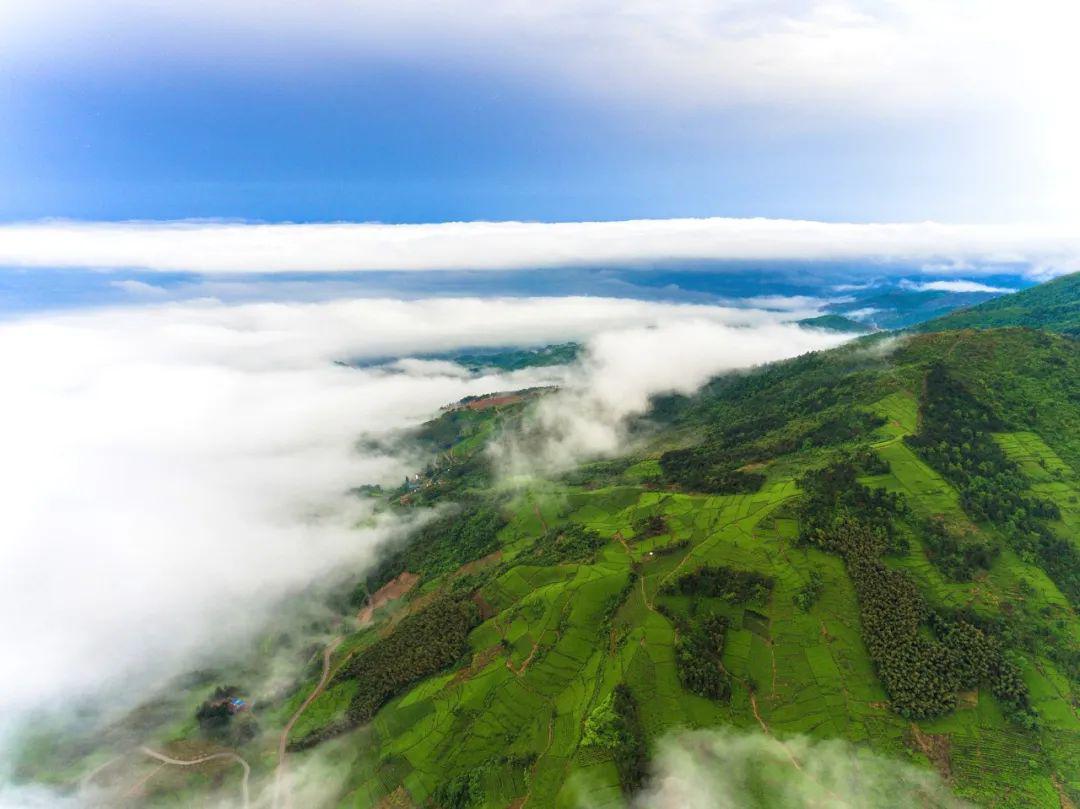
(959,285)
(260,248)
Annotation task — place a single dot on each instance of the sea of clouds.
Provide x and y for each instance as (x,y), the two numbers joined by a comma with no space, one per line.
(172,471)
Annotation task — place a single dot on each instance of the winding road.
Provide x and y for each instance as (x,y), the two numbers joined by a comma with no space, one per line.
(283,740)
(178,762)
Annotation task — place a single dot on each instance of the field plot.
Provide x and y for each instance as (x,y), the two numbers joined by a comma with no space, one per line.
(901,413)
(1051,477)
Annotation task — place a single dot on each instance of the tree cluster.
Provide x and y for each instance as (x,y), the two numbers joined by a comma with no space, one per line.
(466,789)
(214,714)
(704,469)
(218,721)
(671,547)
(651,526)
(614,726)
(616,600)
(423,643)
(781,409)
(697,657)
(572,542)
(807,595)
(717,581)
(833,498)
(957,556)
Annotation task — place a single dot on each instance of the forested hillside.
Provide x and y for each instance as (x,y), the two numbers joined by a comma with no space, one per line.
(1054,306)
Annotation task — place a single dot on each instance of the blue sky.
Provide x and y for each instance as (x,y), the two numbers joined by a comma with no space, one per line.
(838,111)
(409,144)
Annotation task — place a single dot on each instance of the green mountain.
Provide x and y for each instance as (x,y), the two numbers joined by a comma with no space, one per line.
(903,308)
(506,358)
(513,359)
(1054,306)
(877,545)
(835,323)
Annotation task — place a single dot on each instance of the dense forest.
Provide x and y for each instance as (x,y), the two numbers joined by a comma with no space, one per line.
(572,542)
(423,643)
(615,727)
(698,652)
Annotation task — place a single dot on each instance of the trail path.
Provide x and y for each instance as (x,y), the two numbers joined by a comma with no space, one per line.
(539,516)
(178,762)
(86,780)
(765,729)
(283,740)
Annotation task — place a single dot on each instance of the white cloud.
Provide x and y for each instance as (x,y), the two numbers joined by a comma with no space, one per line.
(804,305)
(862,314)
(812,54)
(959,285)
(170,471)
(139,289)
(253,248)
(624,368)
(729,769)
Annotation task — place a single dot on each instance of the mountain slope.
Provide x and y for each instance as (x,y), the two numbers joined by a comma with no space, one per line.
(709,600)
(902,308)
(1054,306)
(835,323)
(878,544)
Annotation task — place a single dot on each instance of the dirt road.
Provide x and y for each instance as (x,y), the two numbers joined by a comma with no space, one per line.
(283,741)
(178,762)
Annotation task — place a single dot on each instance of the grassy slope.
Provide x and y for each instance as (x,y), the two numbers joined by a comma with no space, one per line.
(547,657)
(1054,306)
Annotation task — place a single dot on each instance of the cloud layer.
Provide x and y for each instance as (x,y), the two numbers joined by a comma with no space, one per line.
(259,248)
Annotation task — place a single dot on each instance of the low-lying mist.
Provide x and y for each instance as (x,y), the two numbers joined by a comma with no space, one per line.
(173,472)
(729,769)
(624,368)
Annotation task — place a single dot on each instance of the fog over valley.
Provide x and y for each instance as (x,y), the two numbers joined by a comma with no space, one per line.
(174,471)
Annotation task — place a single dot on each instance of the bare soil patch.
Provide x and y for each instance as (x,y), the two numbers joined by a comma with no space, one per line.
(395,588)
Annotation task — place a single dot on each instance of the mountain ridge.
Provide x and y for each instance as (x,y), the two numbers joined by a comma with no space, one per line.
(1053,306)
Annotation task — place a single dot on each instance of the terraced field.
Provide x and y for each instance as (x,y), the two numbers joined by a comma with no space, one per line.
(549,652)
